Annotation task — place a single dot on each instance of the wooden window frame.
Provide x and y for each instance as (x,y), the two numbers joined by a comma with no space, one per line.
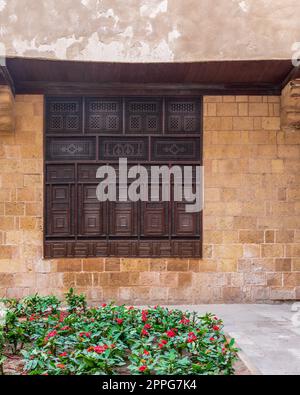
(70,243)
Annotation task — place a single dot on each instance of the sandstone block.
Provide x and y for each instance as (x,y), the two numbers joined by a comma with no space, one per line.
(283,264)
(178,265)
(69,265)
(112,265)
(272,250)
(282,293)
(251,236)
(93,265)
(132,264)
(227,109)
(274,280)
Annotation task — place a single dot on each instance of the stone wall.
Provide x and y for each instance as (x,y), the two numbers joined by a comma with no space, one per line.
(251,216)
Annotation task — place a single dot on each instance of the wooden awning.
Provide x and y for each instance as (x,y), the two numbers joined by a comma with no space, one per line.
(261,77)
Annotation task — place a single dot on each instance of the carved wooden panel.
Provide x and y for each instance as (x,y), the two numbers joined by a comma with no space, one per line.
(184,223)
(82,133)
(187,248)
(92,213)
(59,207)
(143,115)
(122,248)
(175,149)
(60,173)
(55,249)
(125,248)
(183,116)
(144,248)
(64,115)
(154,219)
(162,248)
(100,248)
(104,115)
(65,149)
(130,148)
(123,219)
(87,173)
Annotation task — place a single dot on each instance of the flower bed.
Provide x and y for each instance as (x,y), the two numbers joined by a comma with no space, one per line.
(112,339)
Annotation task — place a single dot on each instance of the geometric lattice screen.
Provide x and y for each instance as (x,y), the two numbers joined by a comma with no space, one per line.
(82,133)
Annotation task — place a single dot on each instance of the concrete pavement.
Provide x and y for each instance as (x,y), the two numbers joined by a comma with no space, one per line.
(269,335)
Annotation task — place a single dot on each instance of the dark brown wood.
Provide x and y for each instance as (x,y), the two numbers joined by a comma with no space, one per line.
(257,77)
(83,133)
(116,89)
(6,79)
(294,73)
(123,248)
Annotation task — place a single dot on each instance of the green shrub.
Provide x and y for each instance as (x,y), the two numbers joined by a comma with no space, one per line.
(112,339)
(75,302)
(2,338)
(39,305)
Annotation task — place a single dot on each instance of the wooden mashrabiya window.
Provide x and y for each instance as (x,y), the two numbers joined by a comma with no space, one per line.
(83,133)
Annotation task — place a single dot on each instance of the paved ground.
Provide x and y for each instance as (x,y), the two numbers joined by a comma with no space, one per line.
(269,335)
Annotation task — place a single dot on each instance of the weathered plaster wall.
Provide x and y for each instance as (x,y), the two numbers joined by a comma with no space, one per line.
(149,30)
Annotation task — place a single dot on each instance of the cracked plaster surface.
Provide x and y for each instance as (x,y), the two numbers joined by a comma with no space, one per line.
(149,30)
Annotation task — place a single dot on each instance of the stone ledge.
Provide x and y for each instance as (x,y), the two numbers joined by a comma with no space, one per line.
(7,109)
(290,102)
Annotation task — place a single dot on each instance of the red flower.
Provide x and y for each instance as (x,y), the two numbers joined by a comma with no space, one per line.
(142,368)
(184,321)
(100,349)
(119,321)
(171,333)
(191,337)
(32,317)
(146,352)
(62,316)
(162,343)
(212,339)
(147,326)
(63,354)
(60,365)
(97,349)
(104,305)
(50,334)
(144,315)
(65,328)
(216,328)
(86,334)
(144,333)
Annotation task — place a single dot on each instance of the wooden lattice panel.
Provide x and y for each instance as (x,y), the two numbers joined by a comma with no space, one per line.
(82,133)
